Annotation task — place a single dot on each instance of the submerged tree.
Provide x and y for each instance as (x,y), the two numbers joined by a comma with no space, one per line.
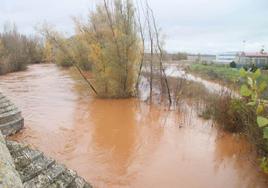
(112,45)
(108,44)
(150,35)
(114,48)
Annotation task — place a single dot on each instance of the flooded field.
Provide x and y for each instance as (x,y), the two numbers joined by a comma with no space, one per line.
(125,143)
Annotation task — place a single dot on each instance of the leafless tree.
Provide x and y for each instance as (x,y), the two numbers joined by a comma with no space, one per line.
(161,54)
(155,48)
(143,45)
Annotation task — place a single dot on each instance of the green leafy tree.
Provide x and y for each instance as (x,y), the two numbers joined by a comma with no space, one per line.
(252,90)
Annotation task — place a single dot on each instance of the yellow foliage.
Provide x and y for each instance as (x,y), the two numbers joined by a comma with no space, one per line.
(114,51)
(109,43)
(1,49)
(48,52)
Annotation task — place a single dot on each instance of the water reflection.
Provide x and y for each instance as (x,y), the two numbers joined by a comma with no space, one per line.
(125,143)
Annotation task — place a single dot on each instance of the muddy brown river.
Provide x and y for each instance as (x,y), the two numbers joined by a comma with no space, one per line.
(125,143)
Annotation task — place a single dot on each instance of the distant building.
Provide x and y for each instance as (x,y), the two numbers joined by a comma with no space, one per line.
(259,59)
(227,57)
(201,58)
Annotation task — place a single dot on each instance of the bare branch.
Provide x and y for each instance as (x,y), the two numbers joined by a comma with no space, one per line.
(143,46)
(161,52)
(61,47)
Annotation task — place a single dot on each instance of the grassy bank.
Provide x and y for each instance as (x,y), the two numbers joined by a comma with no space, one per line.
(222,73)
(216,72)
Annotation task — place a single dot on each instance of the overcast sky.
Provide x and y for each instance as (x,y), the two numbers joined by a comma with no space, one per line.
(197,26)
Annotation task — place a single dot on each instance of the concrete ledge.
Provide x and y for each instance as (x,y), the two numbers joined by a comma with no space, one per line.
(12,127)
(11,120)
(9,177)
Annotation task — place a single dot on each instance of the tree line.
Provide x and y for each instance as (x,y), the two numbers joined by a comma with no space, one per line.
(18,50)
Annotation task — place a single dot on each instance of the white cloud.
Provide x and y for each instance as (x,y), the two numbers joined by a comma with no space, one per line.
(213,26)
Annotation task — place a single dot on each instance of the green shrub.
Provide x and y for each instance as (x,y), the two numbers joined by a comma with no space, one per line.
(265,67)
(204,62)
(252,90)
(233,64)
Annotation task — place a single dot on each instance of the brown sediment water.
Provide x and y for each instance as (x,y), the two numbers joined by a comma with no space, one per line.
(126,143)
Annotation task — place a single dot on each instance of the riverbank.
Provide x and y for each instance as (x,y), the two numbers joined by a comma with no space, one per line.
(11,120)
(127,143)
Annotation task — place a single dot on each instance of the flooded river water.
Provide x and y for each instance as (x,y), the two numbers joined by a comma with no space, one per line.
(125,143)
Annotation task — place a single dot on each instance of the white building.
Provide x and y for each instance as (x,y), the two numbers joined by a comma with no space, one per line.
(227,57)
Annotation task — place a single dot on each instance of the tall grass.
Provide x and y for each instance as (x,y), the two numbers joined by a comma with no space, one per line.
(229,114)
(235,116)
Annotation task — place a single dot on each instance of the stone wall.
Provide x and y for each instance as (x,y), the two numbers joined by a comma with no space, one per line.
(39,171)
(11,120)
(9,177)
